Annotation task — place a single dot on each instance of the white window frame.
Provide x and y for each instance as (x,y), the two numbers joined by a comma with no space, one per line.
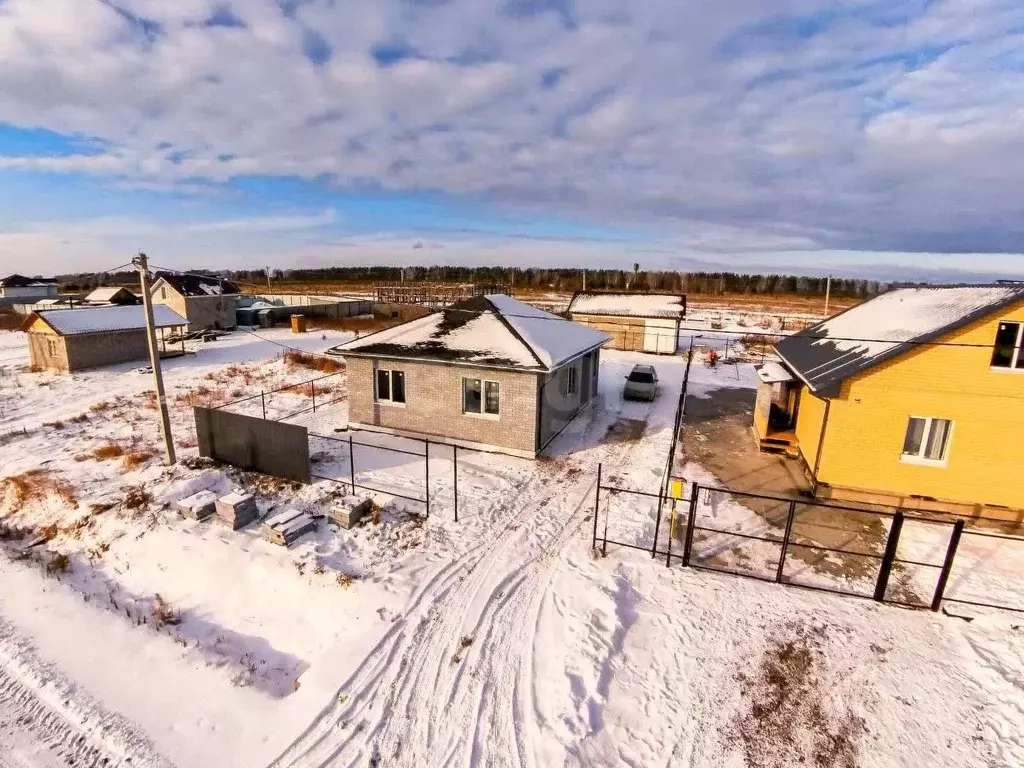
(919,458)
(1017,349)
(391,388)
(52,347)
(482,413)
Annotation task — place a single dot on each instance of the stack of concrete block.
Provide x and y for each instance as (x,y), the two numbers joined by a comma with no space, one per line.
(198,506)
(237,509)
(285,527)
(348,511)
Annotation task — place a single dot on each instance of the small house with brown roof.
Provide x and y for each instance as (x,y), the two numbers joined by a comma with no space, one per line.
(206,301)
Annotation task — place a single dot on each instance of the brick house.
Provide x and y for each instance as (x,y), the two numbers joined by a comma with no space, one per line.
(913,398)
(489,372)
(69,340)
(206,302)
(636,322)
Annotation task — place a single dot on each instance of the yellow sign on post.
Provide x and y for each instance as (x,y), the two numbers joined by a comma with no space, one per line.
(676,488)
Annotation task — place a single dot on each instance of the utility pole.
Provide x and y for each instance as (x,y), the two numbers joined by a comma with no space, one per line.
(828,290)
(142,263)
(268,279)
(584,281)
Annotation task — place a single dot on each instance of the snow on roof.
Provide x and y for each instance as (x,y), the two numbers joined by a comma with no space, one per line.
(772,373)
(106,293)
(629,304)
(494,330)
(71,322)
(876,330)
(198,285)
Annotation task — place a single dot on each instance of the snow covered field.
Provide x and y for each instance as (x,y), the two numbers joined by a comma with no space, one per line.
(497,641)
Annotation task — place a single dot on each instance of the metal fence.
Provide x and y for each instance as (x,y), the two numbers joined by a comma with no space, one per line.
(893,556)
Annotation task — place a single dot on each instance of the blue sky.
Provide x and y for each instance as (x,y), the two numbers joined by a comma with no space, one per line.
(874,138)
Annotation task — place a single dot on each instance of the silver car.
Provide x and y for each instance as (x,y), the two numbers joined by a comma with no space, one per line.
(641,384)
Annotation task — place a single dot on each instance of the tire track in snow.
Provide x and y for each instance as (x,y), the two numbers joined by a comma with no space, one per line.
(411,702)
(46,721)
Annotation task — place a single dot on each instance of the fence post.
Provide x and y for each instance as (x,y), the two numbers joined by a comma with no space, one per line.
(691,521)
(785,541)
(455,467)
(671,526)
(352,462)
(312,394)
(657,521)
(947,564)
(426,473)
(597,503)
(889,556)
(263,402)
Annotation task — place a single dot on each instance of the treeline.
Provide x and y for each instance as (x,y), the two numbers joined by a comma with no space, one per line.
(565,280)
(562,280)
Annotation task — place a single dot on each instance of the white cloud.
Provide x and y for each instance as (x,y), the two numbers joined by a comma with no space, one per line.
(833,123)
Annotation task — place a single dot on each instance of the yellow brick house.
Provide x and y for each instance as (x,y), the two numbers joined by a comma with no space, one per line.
(913,398)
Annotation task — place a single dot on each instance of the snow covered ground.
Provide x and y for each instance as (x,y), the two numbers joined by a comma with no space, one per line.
(497,641)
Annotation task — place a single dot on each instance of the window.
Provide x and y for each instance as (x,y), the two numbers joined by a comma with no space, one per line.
(479,396)
(163,293)
(571,380)
(390,386)
(51,346)
(1006,351)
(927,439)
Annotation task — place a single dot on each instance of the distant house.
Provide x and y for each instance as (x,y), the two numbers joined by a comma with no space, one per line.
(18,289)
(913,398)
(207,302)
(639,322)
(69,340)
(113,295)
(488,372)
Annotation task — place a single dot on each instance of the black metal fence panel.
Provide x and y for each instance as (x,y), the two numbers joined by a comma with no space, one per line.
(250,442)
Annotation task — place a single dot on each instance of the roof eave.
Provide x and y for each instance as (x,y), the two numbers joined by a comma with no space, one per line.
(335,352)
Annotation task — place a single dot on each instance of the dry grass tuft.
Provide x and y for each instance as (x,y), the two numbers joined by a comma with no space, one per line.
(136,459)
(107,452)
(99,407)
(10,320)
(79,418)
(136,497)
(59,563)
(313,362)
(163,614)
(37,485)
(202,396)
(54,424)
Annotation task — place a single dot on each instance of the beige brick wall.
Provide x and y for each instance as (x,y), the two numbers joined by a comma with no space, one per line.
(200,311)
(433,393)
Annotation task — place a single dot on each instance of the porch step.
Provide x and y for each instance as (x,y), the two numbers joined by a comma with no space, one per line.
(783,445)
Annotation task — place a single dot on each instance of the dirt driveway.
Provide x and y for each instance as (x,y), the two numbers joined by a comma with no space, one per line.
(717,435)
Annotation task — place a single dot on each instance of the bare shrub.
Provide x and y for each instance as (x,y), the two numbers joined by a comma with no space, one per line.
(99,407)
(54,424)
(346,580)
(79,418)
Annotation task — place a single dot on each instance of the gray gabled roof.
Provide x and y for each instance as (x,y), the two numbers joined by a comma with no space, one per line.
(493,331)
(72,322)
(892,324)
